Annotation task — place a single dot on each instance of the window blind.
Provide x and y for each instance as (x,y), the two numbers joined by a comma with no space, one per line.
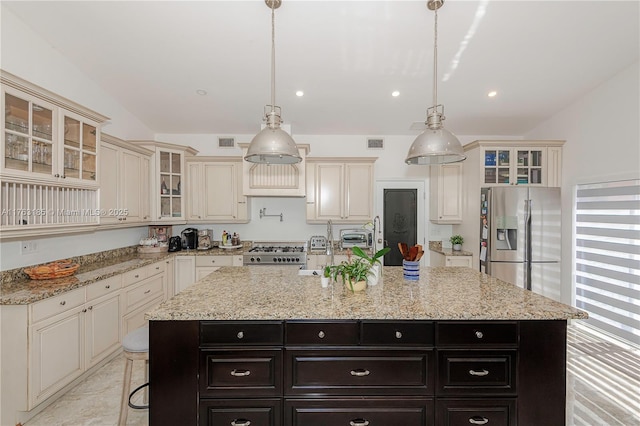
(607,256)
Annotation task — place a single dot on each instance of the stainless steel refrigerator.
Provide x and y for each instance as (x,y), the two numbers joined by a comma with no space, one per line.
(520,237)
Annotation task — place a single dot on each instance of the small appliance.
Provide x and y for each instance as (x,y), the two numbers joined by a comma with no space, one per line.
(175,243)
(205,239)
(189,238)
(318,243)
(362,238)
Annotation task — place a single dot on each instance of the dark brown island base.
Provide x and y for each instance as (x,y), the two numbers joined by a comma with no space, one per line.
(256,346)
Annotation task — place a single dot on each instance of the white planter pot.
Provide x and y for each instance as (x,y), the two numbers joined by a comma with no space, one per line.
(374,276)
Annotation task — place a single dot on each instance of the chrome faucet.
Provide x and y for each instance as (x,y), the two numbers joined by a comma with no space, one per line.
(330,242)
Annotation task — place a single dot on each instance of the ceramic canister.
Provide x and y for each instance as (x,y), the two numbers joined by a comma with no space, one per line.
(411,270)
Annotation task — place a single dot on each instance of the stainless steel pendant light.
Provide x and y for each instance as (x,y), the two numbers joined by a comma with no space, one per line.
(435,145)
(273,145)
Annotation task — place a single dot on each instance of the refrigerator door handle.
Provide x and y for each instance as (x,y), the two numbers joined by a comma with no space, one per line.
(527,244)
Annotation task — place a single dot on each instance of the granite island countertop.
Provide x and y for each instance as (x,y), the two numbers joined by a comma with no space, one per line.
(442,293)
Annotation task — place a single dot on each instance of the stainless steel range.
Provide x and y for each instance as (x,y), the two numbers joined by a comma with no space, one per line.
(276,253)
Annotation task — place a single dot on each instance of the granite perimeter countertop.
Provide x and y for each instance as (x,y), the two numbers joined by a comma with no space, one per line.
(277,293)
(436,246)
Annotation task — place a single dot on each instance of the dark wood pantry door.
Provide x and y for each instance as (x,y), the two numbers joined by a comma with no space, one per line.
(400,221)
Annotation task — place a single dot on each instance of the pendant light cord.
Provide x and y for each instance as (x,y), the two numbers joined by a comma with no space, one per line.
(273,58)
(435,60)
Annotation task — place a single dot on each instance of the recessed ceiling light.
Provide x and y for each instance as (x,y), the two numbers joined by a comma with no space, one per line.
(299,93)
(395,93)
(492,94)
(201,92)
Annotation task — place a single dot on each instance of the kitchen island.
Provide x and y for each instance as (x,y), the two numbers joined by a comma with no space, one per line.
(263,345)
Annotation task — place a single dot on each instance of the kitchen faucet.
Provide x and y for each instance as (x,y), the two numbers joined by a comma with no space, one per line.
(330,242)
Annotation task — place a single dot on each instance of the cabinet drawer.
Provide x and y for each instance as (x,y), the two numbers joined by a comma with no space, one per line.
(243,373)
(477,372)
(57,304)
(414,333)
(359,412)
(358,372)
(156,268)
(143,292)
(132,277)
(241,333)
(465,412)
(103,287)
(477,334)
(238,412)
(323,332)
(214,261)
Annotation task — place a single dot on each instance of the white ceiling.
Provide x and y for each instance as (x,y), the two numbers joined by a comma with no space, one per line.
(347,57)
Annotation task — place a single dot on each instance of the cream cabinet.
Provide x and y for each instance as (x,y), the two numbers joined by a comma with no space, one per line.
(446,193)
(340,189)
(143,289)
(274,180)
(439,259)
(47,137)
(168,175)
(124,182)
(184,272)
(215,190)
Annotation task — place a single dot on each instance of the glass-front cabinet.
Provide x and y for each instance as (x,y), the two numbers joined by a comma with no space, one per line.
(171,198)
(47,137)
(514,166)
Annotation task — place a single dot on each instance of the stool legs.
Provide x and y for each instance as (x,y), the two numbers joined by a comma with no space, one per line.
(126,385)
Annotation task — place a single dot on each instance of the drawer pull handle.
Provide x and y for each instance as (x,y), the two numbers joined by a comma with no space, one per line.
(240,373)
(107,286)
(240,422)
(148,291)
(213,261)
(64,302)
(321,334)
(479,334)
(360,373)
(359,422)
(240,334)
(479,373)
(136,276)
(477,420)
(398,335)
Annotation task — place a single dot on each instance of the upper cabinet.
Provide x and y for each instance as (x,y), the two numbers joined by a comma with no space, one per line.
(215,190)
(340,189)
(528,163)
(124,182)
(446,193)
(168,180)
(274,180)
(46,137)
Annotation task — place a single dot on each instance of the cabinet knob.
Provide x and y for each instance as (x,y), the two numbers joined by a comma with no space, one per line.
(136,276)
(321,334)
(148,291)
(107,286)
(64,302)
(240,335)
(213,261)
(240,422)
(478,420)
(479,334)
(91,308)
(84,310)
(359,422)
(398,335)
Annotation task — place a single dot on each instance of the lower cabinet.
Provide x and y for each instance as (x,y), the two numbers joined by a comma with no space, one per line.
(359,372)
(438,259)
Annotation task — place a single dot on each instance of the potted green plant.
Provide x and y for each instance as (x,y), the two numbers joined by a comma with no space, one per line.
(374,261)
(326,276)
(355,272)
(456,242)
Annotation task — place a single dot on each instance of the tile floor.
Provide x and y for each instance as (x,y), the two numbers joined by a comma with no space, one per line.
(603,384)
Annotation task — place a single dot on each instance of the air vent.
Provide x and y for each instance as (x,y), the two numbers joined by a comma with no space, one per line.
(226,142)
(375,143)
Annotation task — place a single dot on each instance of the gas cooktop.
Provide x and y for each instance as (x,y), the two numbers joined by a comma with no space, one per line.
(282,253)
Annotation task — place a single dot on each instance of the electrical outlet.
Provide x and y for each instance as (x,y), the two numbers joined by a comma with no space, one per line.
(28,247)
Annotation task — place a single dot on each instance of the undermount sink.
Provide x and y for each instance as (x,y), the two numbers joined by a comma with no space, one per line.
(317,272)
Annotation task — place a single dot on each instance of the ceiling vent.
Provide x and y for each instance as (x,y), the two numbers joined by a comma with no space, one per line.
(375,143)
(226,142)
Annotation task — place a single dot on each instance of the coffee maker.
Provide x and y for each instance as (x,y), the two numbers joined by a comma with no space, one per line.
(189,238)
(205,239)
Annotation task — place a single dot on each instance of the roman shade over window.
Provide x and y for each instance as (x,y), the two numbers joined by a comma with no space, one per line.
(607,256)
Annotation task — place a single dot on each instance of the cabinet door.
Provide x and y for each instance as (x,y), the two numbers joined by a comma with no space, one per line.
(170,164)
(529,166)
(103,330)
(446,193)
(57,348)
(329,191)
(458,261)
(79,153)
(130,181)
(359,192)
(185,272)
(196,194)
(220,191)
(145,188)
(496,166)
(109,182)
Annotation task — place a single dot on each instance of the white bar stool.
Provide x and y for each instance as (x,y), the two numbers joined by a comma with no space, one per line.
(136,347)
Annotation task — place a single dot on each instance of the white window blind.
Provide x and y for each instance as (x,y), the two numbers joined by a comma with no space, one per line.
(607,268)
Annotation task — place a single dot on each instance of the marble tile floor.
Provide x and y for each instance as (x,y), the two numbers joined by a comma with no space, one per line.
(603,384)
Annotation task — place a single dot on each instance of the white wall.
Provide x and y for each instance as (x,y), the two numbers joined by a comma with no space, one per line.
(602,133)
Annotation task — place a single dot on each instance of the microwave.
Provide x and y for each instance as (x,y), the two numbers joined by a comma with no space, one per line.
(362,238)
